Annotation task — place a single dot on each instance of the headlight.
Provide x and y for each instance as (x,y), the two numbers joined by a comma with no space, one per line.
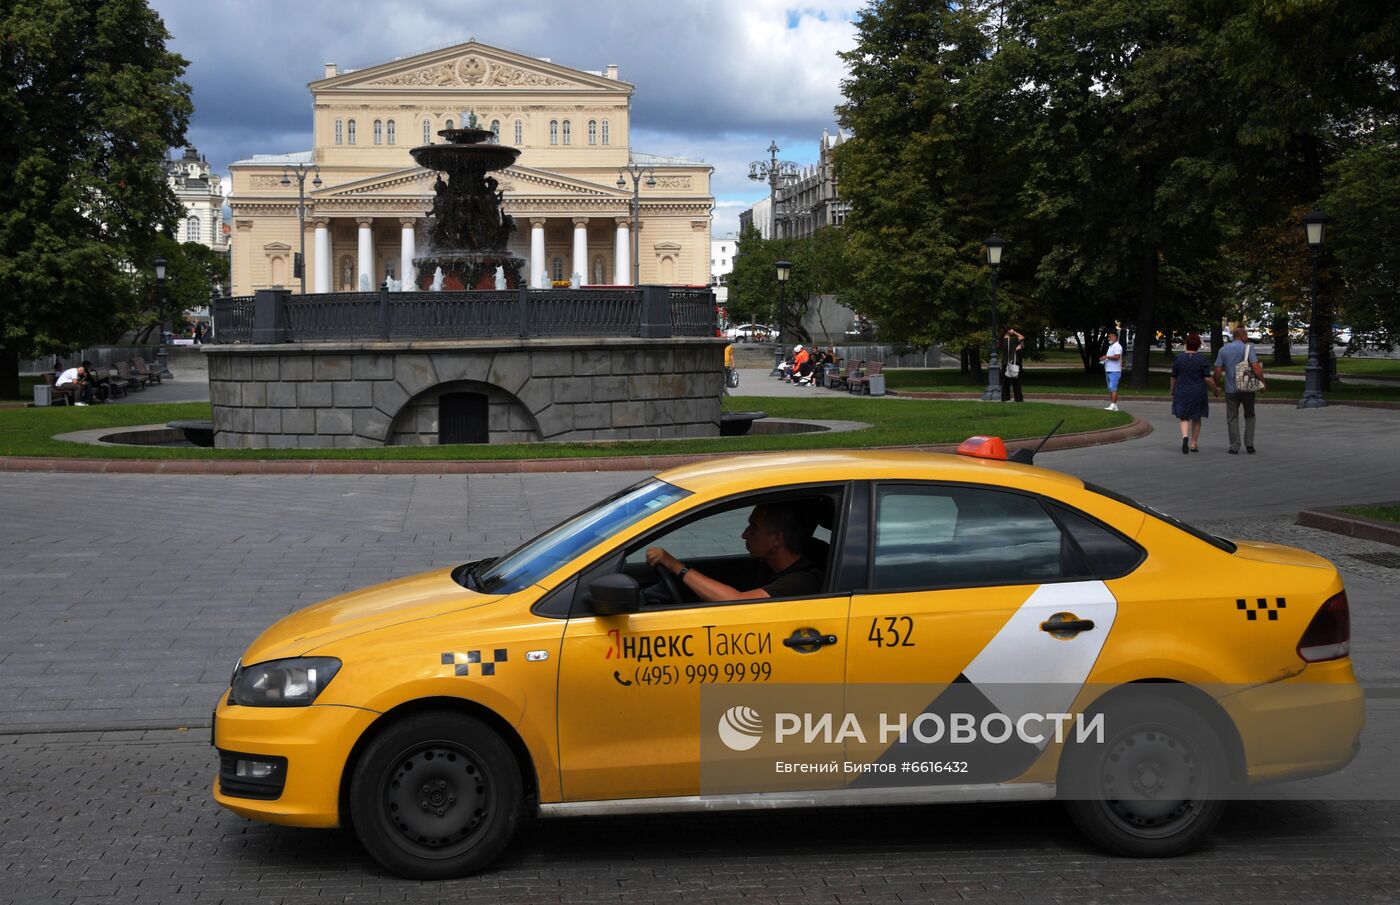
(283,683)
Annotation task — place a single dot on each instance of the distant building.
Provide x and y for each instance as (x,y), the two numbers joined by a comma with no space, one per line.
(808,202)
(722,265)
(200,192)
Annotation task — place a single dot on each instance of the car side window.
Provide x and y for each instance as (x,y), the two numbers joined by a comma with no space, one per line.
(1107,553)
(720,534)
(935,536)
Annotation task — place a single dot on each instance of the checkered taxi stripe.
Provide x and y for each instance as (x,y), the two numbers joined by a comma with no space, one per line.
(462,662)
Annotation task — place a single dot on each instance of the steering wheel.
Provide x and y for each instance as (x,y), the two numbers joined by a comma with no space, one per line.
(672,583)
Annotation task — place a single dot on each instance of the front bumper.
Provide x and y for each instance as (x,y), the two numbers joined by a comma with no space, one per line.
(316,742)
(1306,725)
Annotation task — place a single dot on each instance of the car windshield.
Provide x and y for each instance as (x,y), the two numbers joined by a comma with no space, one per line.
(531,562)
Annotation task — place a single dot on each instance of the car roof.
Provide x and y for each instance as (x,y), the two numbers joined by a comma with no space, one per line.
(754,472)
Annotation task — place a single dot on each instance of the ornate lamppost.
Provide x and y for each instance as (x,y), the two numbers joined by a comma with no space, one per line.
(299,171)
(773,171)
(784,271)
(161,360)
(1315,222)
(636,171)
(994,245)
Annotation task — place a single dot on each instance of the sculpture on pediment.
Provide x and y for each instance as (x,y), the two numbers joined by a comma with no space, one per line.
(471,70)
(511,77)
(443,74)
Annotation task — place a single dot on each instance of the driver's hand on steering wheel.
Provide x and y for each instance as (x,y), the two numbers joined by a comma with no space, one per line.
(658,557)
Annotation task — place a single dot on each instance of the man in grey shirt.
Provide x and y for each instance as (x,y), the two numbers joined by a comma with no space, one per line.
(1231,355)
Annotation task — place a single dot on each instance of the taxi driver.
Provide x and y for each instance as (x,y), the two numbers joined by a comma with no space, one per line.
(774,536)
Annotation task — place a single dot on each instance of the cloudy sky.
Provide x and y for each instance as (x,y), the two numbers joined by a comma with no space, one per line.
(715,80)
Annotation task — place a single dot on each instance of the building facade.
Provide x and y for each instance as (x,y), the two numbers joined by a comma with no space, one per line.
(201,193)
(366,220)
(807,202)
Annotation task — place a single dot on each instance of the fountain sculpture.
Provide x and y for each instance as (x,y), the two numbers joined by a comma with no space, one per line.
(468,233)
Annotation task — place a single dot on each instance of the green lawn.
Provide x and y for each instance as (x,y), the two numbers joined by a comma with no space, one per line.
(1356,367)
(895,422)
(1384,513)
(1047,380)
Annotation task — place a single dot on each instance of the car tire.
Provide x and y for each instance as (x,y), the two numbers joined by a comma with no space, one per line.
(462,808)
(1155,787)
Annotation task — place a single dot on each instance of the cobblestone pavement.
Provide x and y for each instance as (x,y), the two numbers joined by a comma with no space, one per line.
(125,599)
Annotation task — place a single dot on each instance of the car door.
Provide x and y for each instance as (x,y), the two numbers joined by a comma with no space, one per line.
(966,584)
(633,687)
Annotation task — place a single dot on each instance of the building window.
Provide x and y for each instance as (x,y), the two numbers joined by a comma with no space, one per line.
(449,123)
(558,269)
(339,132)
(427,132)
(392,131)
(567,131)
(192,229)
(378,132)
(554,131)
(519,132)
(592,131)
(606,132)
(496,128)
(350,131)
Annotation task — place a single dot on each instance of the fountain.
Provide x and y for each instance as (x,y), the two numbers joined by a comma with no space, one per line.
(467,233)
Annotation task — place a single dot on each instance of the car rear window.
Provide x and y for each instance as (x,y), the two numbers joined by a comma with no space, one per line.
(1219,543)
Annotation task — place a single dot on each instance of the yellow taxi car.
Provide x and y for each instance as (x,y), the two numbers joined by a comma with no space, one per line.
(811,629)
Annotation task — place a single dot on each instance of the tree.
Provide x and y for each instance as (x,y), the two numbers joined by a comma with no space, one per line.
(818,268)
(192,270)
(92,101)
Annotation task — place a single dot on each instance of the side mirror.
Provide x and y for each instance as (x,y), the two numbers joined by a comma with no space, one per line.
(614,595)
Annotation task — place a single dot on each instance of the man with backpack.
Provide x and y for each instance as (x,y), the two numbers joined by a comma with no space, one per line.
(1244,376)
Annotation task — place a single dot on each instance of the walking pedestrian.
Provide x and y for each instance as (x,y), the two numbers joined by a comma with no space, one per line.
(1012,344)
(1228,365)
(1190,377)
(1112,361)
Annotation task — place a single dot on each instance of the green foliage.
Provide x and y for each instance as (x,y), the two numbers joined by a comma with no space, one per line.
(91,101)
(818,268)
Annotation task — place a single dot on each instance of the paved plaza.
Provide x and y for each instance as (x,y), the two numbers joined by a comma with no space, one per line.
(126,599)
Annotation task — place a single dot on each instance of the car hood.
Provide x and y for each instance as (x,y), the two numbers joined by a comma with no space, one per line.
(404,600)
(1278,553)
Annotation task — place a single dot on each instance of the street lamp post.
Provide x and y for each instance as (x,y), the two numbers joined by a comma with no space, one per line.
(774,171)
(161,360)
(636,171)
(784,270)
(299,171)
(1315,222)
(994,245)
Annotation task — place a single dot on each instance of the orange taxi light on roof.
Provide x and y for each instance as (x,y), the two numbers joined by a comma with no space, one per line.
(983,448)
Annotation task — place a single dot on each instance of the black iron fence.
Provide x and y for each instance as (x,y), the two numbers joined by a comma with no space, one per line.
(276,316)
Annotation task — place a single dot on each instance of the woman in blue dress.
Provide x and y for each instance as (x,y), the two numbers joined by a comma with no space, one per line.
(1190,377)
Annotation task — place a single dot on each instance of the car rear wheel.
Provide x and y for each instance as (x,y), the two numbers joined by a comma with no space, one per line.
(436,795)
(1155,787)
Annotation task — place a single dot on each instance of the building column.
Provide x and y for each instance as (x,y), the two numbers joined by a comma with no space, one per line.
(580,255)
(364,267)
(408,244)
(537,262)
(323,256)
(622,253)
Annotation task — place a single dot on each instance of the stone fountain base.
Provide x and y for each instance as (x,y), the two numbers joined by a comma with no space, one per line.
(468,270)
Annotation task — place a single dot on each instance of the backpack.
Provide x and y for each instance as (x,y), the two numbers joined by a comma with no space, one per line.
(1246,381)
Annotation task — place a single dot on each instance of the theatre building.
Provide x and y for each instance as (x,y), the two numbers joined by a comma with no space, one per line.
(365,220)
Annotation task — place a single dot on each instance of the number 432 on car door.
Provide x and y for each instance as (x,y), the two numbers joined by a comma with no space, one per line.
(892,631)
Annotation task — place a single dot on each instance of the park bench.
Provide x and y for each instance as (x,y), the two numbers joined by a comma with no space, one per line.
(116,384)
(130,380)
(843,380)
(60,395)
(860,383)
(142,370)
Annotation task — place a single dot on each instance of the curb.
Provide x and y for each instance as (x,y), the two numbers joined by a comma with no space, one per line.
(1137,428)
(1345,523)
(1086,397)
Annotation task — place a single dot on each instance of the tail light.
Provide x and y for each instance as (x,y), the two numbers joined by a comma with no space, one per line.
(1329,634)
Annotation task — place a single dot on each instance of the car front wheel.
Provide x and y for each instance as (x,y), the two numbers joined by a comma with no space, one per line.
(1155,786)
(436,795)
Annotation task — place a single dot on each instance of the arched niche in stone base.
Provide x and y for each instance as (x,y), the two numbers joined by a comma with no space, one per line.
(417,423)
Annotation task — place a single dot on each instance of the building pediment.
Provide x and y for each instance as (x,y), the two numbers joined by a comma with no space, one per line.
(472,65)
(418,182)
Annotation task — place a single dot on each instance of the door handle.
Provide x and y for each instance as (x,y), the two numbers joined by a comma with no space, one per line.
(1065,625)
(807,640)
